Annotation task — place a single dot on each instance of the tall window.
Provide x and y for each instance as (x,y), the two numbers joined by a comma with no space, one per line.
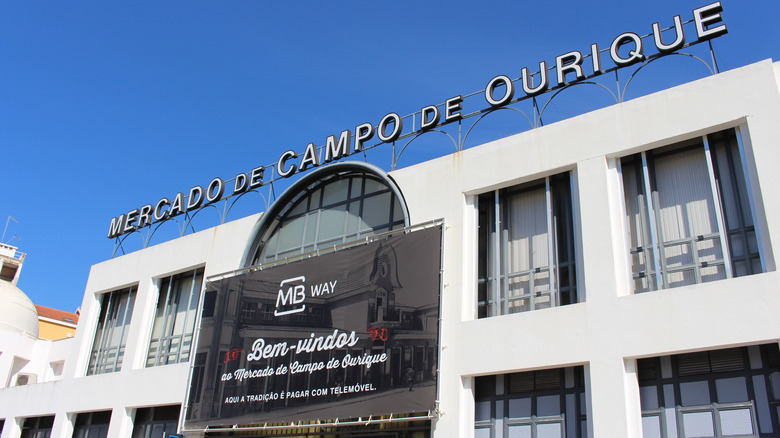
(338,208)
(721,393)
(92,425)
(174,322)
(108,349)
(696,225)
(533,404)
(526,247)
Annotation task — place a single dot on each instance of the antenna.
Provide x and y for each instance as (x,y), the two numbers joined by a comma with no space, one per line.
(6,228)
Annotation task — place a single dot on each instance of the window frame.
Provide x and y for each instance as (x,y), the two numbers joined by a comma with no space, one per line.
(651,263)
(493,276)
(41,427)
(92,424)
(98,362)
(168,286)
(571,384)
(668,374)
(147,418)
(266,228)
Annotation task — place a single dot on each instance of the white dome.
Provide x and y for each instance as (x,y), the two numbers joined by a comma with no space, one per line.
(17,312)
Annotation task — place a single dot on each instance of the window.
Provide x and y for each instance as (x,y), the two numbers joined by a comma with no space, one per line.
(721,393)
(92,425)
(336,208)
(533,404)
(17,377)
(697,224)
(526,247)
(37,427)
(156,422)
(174,322)
(56,368)
(108,349)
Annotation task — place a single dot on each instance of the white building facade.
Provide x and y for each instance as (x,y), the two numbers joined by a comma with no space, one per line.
(609,275)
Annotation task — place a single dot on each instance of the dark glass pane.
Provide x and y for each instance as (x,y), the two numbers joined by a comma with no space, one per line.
(484,386)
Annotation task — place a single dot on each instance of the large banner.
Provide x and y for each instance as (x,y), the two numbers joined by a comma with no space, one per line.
(348,334)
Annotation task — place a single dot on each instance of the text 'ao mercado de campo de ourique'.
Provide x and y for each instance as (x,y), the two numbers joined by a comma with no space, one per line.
(341,335)
(569,68)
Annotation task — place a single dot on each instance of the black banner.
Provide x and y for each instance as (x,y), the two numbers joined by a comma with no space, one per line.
(348,334)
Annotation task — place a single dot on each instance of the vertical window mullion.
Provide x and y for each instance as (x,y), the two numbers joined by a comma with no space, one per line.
(751,201)
(186,317)
(110,329)
(551,251)
(345,227)
(647,245)
(505,270)
(122,332)
(306,216)
(651,216)
(571,238)
(163,329)
(627,227)
(496,268)
(108,332)
(716,201)
(101,343)
(174,310)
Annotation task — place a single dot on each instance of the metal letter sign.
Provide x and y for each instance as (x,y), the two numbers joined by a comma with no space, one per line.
(349,334)
(627,49)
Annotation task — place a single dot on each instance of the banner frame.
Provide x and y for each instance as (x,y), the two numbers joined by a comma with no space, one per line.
(392,418)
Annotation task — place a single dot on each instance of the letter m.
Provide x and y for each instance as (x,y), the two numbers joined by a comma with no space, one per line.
(295,295)
(117,224)
(284,298)
(335,150)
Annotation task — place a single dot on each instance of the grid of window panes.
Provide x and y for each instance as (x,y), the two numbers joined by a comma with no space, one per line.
(526,247)
(533,404)
(721,393)
(338,209)
(108,348)
(92,424)
(37,427)
(156,422)
(174,322)
(697,223)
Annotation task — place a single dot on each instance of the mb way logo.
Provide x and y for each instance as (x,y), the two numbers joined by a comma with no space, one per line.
(292,294)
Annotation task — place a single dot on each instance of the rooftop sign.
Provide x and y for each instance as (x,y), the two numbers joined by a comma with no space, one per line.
(626,49)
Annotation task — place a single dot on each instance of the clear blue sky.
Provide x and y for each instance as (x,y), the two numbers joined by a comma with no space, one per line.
(107,106)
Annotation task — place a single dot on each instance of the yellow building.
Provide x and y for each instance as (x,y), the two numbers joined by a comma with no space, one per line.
(56,324)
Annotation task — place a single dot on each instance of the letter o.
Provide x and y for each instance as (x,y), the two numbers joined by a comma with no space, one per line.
(508,93)
(398,126)
(215,190)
